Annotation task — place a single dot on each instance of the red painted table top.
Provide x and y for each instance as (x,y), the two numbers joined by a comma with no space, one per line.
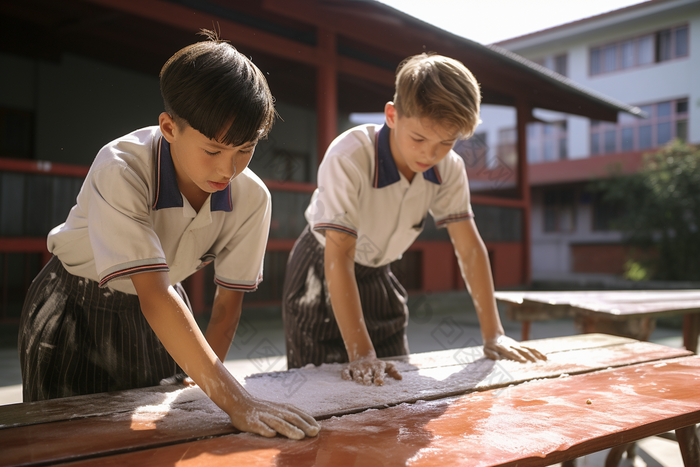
(539,416)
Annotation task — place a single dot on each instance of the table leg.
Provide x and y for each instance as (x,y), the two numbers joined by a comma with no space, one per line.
(615,454)
(525,332)
(635,328)
(571,463)
(691,329)
(690,448)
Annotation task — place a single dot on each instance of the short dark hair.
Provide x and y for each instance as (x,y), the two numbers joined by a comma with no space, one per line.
(209,85)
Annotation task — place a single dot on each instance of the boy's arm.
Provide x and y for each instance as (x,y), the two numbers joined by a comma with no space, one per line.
(176,328)
(339,266)
(225,315)
(474,262)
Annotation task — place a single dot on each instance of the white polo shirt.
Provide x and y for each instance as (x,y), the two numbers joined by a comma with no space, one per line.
(361,192)
(130,217)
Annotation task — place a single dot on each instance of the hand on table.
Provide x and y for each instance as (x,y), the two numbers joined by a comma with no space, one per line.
(503,347)
(370,370)
(265,418)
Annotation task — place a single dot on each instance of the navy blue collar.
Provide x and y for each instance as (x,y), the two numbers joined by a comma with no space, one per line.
(385,171)
(168,193)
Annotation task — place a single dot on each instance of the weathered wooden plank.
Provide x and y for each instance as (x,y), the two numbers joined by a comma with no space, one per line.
(546,346)
(533,424)
(605,296)
(317,389)
(178,416)
(92,405)
(640,303)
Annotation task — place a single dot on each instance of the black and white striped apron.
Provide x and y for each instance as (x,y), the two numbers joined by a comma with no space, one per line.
(311,332)
(76,338)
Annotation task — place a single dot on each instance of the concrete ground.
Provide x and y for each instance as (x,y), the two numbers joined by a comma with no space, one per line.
(436,322)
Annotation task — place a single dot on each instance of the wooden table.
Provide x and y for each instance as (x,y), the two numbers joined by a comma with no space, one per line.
(629,313)
(452,408)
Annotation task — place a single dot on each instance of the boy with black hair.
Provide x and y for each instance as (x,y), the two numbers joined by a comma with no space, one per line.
(376,185)
(108,312)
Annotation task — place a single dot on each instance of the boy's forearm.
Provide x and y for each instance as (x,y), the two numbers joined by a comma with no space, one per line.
(176,328)
(477,274)
(473,261)
(225,316)
(347,308)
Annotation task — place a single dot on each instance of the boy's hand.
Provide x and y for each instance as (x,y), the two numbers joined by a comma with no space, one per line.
(370,370)
(269,418)
(503,347)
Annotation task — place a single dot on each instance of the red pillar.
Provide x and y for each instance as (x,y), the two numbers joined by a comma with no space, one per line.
(326,92)
(524,115)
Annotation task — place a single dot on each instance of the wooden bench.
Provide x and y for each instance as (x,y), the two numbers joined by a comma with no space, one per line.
(453,407)
(629,313)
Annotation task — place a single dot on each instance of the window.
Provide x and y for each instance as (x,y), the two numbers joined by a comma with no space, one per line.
(627,139)
(558,63)
(645,50)
(681,42)
(604,213)
(546,142)
(506,150)
(559,210)
(595,144)
(561,64)
(595,61)
(474,151)
(627,54)
(661,46)
(667,120)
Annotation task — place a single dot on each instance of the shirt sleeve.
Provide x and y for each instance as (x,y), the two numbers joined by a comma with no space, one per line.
(335,202)
(239,265)
(452,202)
(120,229)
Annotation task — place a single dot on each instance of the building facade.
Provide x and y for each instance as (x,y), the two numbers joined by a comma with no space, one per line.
(647,55)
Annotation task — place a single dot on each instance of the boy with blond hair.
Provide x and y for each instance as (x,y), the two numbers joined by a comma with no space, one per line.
(376,185)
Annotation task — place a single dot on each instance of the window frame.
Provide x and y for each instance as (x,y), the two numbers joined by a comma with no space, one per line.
(599,130)
(607,58)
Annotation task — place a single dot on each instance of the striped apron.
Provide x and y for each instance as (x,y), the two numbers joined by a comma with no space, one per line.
(311,332)
(76,338)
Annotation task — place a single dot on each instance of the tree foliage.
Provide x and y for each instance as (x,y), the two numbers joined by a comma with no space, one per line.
(660,210)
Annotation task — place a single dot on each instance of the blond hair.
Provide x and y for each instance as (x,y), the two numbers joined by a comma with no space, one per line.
(439,88)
